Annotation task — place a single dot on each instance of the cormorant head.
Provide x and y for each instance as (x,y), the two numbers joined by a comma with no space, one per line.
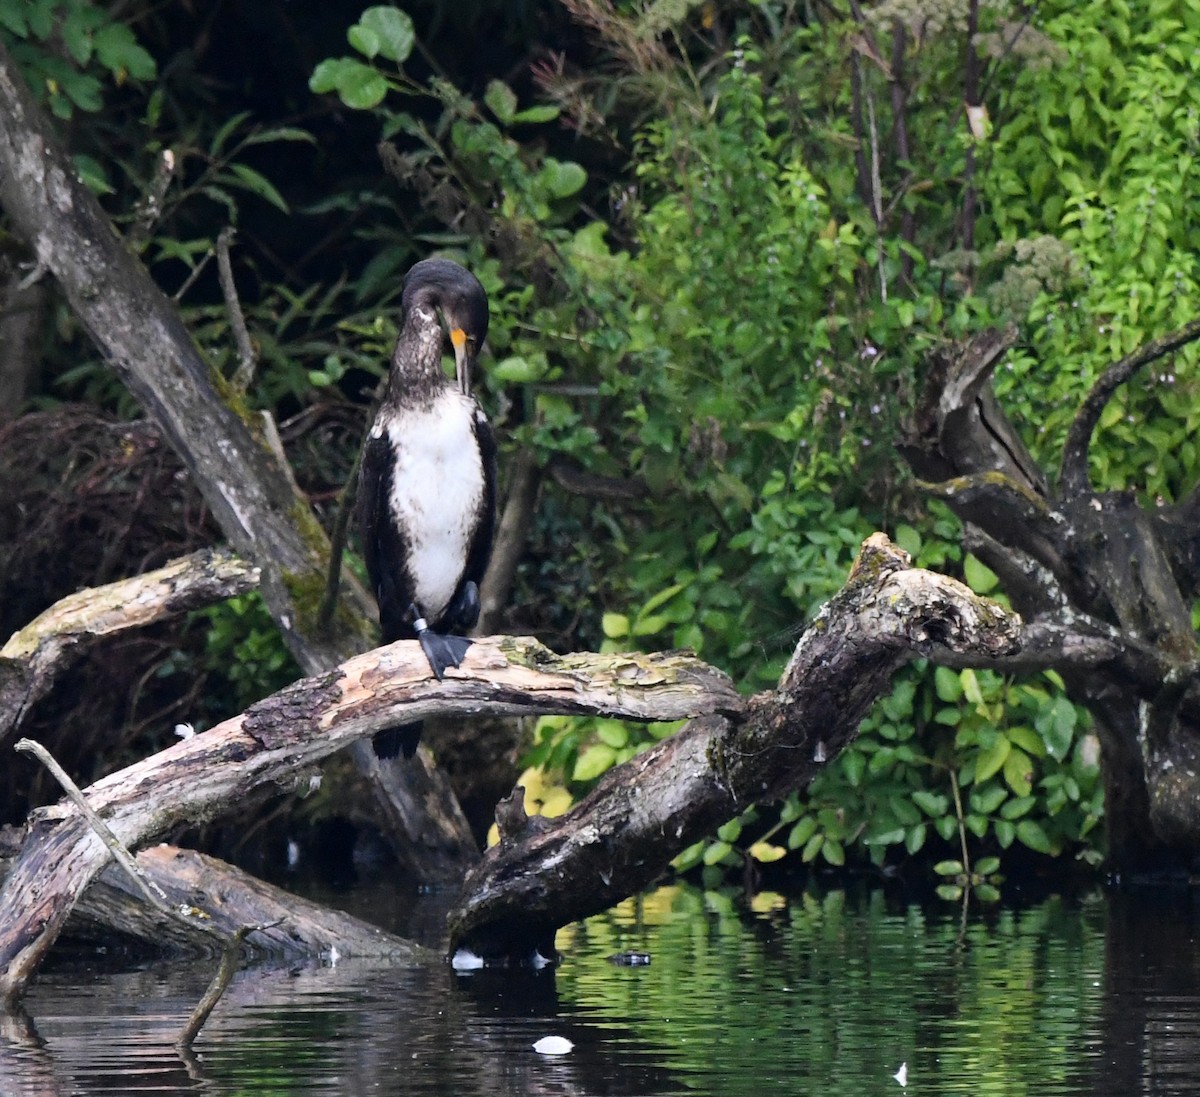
(460,300)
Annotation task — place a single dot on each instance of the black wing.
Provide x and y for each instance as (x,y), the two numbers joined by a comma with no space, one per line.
(384,549)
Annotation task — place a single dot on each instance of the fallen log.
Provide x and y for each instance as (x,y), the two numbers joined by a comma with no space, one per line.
(733,752)
(282,737)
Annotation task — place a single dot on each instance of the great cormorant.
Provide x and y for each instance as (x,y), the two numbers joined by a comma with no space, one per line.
(427,491)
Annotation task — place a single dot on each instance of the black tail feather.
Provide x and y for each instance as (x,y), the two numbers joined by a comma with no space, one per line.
(402,739)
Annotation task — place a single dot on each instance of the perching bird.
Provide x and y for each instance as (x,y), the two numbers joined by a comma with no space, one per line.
(427,491)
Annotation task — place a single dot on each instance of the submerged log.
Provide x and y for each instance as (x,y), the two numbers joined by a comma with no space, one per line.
(229,899)
(627,830)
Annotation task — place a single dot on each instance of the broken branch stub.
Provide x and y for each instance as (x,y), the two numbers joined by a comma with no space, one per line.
(627,830)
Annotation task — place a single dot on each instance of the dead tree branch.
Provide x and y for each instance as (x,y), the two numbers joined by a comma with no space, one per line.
(33,657)
(624,834)
(733,753)
(1073,476)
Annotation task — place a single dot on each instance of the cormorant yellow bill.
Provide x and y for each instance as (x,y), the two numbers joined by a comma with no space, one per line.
(462,359)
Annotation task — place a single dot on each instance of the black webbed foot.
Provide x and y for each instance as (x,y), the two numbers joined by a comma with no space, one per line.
(463,611)
(442,651)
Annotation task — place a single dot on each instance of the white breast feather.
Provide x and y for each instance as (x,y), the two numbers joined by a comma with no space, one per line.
(436,493)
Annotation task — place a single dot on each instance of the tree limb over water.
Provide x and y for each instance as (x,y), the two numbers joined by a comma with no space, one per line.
(733,752)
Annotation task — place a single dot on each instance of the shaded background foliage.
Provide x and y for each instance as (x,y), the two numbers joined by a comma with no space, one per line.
(719,240)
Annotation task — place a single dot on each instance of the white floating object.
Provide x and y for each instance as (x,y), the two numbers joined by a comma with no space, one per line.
(465,960)
(901,1075)
(553,1045)
(184,731)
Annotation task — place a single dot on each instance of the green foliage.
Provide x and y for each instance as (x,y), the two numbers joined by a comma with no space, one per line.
(65,47)
(244,656)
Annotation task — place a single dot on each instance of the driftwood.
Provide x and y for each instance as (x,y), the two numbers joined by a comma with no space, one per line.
(33,657)
(229,899)
(734,752)
(1105,584)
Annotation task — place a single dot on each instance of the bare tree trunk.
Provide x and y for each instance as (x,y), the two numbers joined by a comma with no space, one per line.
(1105,584)
(252,497)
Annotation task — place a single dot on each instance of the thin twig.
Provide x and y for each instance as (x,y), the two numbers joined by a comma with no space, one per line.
(237,321)
(156,897)
(1073,475)
(190,280)
(337,539)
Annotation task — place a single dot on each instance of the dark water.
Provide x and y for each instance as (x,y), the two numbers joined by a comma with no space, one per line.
(810,995)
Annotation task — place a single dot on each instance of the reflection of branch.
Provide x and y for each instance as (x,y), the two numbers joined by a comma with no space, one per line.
(1073,477)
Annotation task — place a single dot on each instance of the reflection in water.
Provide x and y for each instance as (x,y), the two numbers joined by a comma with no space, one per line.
(814,994)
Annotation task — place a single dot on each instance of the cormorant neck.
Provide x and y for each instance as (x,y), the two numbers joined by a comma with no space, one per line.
(416,370)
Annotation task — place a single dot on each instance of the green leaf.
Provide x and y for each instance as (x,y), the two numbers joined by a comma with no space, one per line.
(358,86)
(716,851)
(985,866)
(1031,834)
(987,893)
(615,625)
(933,804)
(980,578)
(949,891)
(948,868)
(991,761)
(908,539)
(1018,771)
(731,831)
(542,113)
(91,172)
(970,684)
(501,100)
(1005,832)
(915,838)
(259,184)
(561,178)
(613,733)
(947,684)
(802,832)
(394,31)
(517,370)
(594,761)
(1058,728)
(363,39)
(833,852)
(117,50)
(812,847)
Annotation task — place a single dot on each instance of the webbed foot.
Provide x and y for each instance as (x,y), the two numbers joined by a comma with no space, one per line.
(442,651)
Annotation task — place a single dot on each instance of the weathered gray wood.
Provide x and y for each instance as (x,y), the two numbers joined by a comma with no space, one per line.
(626,831)
(34,656)
(1106,584)
(140,333)
(229,899)
(282,737)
